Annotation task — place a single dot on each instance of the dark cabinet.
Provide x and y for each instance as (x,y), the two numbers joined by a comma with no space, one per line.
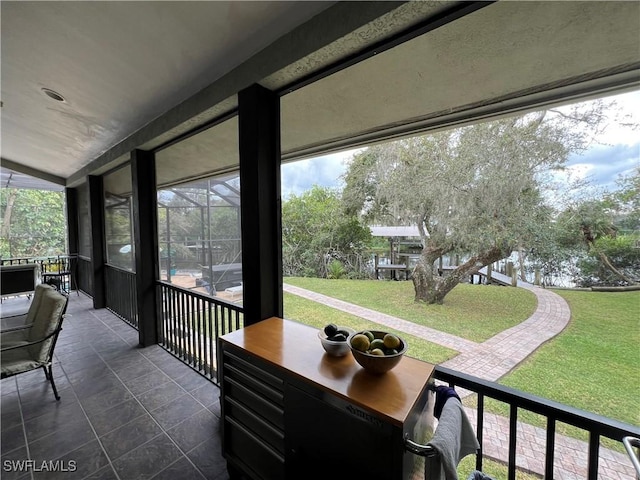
(18,279)
(253,403)
(290,411)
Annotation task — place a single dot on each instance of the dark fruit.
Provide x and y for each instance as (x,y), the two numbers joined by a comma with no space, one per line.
(338,337)
(330,330)
(344,332)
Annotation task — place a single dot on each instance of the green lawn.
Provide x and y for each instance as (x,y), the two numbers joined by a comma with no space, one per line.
(593,363)
(474,312)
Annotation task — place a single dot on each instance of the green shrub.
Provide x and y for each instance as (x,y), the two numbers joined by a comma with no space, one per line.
(335,269)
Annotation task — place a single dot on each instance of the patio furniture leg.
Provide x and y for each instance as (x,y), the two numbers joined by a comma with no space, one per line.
(46,373)
(53,385)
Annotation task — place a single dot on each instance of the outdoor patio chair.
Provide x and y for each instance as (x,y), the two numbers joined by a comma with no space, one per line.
(31,346)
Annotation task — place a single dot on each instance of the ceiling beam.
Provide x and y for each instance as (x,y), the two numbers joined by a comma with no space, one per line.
(451,14)
(33,172)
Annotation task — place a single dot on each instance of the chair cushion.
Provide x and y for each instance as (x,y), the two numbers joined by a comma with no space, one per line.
(47,319)
(35,303)
(9,339)
(17,361)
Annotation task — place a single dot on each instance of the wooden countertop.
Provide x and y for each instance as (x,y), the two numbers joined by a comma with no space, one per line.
(296,348)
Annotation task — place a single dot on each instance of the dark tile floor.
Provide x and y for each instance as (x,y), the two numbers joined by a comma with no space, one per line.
(125,412)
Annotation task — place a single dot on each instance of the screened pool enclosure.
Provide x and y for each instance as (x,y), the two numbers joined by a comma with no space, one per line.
(199,243)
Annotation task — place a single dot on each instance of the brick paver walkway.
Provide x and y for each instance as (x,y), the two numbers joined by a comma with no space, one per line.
(491,360)
(435,336)
(497,356)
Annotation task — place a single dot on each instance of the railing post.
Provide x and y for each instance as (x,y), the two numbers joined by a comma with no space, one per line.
(513,436)
(480,431)
(594,449)
(550,448)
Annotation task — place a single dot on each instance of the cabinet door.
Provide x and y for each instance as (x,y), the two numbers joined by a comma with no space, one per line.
(331,435)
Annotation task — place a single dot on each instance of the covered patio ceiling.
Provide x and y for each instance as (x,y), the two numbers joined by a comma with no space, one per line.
(139,74)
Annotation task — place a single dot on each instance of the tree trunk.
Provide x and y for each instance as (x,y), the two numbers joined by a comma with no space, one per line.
(6,222)
(608,265)
(426,280)
(589,239)
(521,258)
(432,288)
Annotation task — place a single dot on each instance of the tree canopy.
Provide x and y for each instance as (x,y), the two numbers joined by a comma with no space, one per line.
(318,238)
(33,223)
(477,190)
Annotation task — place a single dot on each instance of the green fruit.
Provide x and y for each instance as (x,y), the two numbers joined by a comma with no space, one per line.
(377,352)
(377,343)
(330,330)
(360,342)
(369,335)
(391,351)
(391,341)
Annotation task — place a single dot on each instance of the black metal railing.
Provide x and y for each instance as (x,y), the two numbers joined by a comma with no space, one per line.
(597,426)
(190,324)
(121,294)
(58,270)
(24,260)
(84,275)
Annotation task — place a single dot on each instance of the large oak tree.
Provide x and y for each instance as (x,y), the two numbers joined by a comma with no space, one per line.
(476,190)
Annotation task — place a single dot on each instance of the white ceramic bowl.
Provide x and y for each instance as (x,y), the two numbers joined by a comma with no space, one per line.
(336,349)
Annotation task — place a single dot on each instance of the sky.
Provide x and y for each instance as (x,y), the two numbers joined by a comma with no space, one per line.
(617,152)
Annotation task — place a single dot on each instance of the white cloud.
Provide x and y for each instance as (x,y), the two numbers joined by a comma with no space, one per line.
(324,171)
(619,134)
(602,165)
(579,170)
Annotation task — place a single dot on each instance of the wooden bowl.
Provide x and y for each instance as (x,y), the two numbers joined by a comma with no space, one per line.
(375,363)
